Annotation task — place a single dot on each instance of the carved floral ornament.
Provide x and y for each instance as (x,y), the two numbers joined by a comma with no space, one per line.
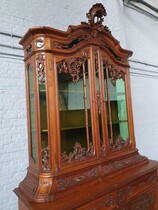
(40,64)
(115,73)
(79,153)
(96,13)
(73,66)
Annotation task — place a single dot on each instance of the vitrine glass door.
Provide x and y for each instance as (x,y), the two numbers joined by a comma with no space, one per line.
(74,109)
(32,113)
(116,109)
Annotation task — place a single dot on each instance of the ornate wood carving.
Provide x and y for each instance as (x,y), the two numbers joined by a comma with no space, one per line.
(29,49)
(64,183)
(96,13)
(40,64)
(119,144)
(39,42)
(120,164)
(145,182)
(44,187)
(73,66)
(78,154)
(99,102)
(45,160)
(145,202)
(110,201)
(115,73)
(121,195)
(70,45)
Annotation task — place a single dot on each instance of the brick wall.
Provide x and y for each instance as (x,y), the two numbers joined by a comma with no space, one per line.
(16,16)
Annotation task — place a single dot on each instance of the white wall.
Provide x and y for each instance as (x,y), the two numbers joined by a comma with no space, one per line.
(134,31)
(141,34)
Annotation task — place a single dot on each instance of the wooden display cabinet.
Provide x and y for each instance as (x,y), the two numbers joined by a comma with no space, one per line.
(82,152)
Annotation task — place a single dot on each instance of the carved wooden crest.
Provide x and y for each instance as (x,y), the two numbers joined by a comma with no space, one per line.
(96,13)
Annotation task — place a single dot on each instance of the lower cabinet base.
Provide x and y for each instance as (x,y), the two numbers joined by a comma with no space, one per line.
(134,188)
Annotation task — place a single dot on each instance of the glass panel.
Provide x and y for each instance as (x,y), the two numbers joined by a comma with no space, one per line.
(74,106)
(33,132)
(116,108)
(43,115)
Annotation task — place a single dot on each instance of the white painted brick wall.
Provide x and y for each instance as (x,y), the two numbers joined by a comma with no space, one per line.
(142,38)
(16,16)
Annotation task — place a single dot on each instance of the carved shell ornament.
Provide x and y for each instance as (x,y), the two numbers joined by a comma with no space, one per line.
(96,13)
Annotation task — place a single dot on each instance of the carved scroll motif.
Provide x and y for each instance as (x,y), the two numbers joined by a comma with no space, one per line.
(96,13)
(73,66)
(45,160)
(40,63)
(78,154)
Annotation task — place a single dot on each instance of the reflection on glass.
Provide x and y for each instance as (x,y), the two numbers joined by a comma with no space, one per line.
(116,109)
(43,114)
(33,132)
(74,106)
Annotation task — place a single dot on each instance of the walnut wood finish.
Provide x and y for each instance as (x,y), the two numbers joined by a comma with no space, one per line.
(109,174)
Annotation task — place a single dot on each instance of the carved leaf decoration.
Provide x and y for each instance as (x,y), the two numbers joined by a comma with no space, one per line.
(96,12)
(78,154)
(45,160)
(73,66)
(40,63)
(120,143)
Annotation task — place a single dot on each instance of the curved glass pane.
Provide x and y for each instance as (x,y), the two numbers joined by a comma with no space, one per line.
(33,131)
(117,120)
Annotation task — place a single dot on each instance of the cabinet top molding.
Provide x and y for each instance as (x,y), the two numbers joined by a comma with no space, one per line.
(88,33)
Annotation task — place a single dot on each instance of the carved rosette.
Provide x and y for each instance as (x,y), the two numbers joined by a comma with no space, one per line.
(45,160)
(40,64)
(73,66)
(78,154)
